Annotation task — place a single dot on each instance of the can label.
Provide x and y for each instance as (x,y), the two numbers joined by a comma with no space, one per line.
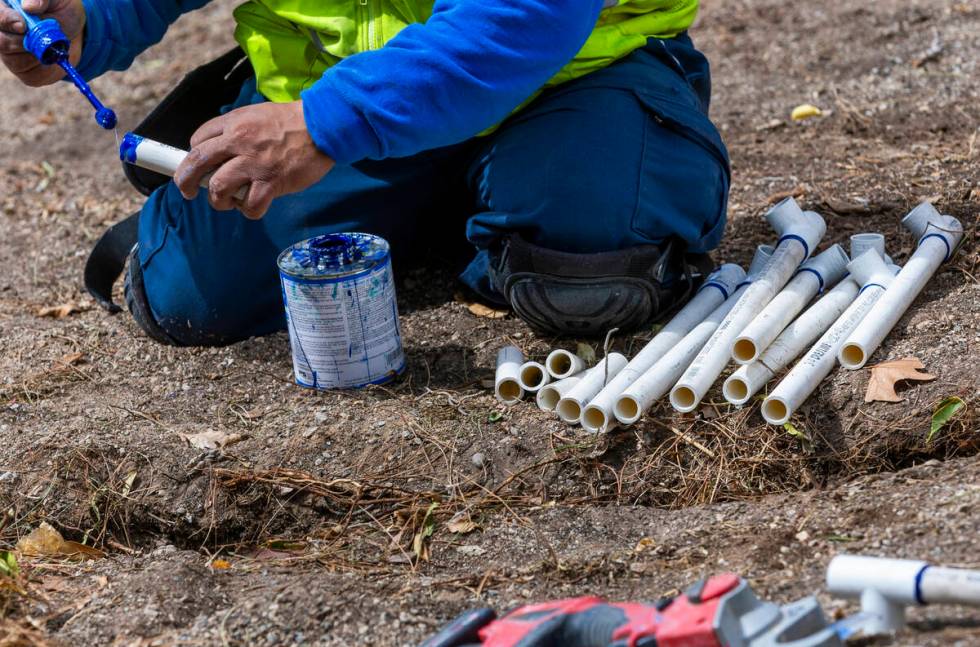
(344,329)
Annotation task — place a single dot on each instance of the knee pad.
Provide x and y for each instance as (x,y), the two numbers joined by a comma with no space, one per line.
(586,295)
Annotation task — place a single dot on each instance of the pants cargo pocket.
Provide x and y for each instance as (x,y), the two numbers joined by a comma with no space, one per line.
(685,177)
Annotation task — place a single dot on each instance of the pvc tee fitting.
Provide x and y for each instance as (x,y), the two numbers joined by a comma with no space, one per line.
(799,233)
(819,273)
(507,384)
(886,586)
(938,236)
(871,272)
(598,416)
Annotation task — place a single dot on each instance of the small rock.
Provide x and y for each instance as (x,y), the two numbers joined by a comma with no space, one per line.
(478,459)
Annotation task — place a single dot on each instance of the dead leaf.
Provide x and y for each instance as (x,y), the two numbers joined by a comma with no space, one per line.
(486,312)
(71,359)
(210,440)
(45,541)
(221,564)
(884,376)
(62,311)
(461,526)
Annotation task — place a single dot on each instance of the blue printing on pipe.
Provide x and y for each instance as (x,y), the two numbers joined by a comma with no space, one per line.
(949,250)
(806,248)
(715,284)
(128,146)
(918,585)
(815,273)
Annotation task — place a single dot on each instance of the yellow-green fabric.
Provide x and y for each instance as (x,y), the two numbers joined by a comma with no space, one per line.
(290,43)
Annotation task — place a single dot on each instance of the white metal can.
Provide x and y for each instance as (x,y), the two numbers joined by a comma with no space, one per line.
(339,293)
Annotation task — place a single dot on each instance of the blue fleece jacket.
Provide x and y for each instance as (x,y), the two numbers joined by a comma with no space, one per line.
(432,85)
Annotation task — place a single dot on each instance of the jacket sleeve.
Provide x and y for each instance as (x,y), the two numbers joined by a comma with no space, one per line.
(444,81)
(116,31)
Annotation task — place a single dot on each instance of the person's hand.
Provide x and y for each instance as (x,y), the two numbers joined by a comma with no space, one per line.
(69,13)
(264,150)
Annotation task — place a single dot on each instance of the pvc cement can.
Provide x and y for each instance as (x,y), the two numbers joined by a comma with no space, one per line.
(339,293)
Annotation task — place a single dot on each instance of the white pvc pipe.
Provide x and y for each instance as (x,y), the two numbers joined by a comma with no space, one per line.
(860,243)
(716,290)
(562,363)
(798,336)
(532,376)
(570,406)
(887,586)
(551,394)
(938,237)
(160,158)
(874,275)
(820,272)
(639,396)
(799,233)
(507,386)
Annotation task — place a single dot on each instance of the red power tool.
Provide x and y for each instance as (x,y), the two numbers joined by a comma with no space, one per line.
(721,611)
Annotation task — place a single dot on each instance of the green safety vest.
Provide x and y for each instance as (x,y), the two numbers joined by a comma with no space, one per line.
(290,43)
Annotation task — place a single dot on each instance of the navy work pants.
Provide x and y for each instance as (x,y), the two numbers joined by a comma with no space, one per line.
(625,156)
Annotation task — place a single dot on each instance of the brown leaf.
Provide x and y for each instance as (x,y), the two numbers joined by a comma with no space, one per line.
(884,376)
(62,311)
(45,541)
(71,359)
(486,312)
(211,439)
(461,526)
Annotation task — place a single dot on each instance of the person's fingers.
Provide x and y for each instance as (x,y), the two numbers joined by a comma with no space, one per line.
(21,63)
(202,159)
(35,7)
(11,22)
(211,129)
(256,203)
(226,182)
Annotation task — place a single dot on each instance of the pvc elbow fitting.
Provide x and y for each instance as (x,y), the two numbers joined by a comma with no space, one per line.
(507,386)
(884,586)
(829,266)
(726,278)
(792,223)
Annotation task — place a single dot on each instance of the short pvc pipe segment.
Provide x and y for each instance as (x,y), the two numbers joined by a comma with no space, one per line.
(532,376)
(551,394)
(797,337)
(817,274)
(572,404)
(507,385)
(598,416)
(871,272)
(799,233)
(938,237)
(562,363)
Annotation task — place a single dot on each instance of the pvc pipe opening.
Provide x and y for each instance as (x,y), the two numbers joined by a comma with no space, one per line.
(548,398)
(562,363)
(532,376)
(627,409)
(594,419)
(736,390)
(852,356)
(744,350)
(684,399)
(775,411)
(569,410)
(509,391)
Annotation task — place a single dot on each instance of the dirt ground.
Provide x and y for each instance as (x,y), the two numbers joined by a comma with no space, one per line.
(373,517)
